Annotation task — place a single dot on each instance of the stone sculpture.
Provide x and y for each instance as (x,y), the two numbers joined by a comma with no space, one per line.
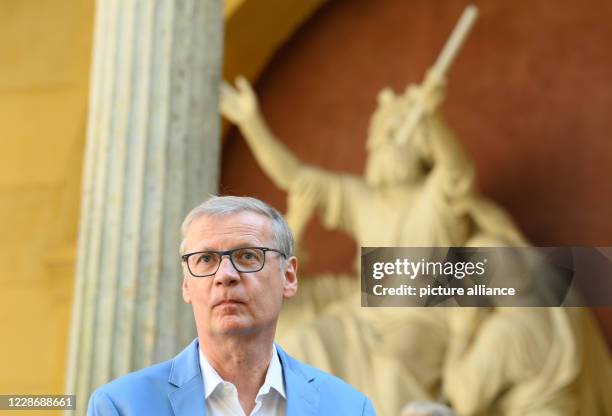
(418,190)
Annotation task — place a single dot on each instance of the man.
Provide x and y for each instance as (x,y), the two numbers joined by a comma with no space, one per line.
(238,266)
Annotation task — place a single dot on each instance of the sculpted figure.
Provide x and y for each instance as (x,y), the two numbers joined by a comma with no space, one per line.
(410,192)
(418,190)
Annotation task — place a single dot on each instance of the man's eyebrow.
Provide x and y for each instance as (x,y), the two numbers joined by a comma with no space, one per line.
(203,249)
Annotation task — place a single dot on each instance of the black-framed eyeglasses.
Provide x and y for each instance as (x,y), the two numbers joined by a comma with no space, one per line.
(244,260)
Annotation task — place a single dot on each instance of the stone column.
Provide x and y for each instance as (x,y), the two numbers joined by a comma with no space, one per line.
(152,154)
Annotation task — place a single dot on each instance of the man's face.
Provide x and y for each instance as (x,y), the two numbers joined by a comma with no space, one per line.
(231,302)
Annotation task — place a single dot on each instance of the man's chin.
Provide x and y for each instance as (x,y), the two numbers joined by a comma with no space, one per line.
(233,325)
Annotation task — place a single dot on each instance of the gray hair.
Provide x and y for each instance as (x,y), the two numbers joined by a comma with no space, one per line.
(228,205)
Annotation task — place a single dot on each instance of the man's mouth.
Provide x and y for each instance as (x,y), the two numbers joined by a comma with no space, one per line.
(228,302)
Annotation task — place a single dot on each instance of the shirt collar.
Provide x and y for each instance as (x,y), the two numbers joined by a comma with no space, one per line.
(274,376)
(209,375)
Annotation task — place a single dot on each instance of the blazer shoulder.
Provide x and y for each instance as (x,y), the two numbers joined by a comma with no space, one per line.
(333,390)
(140,383)
(337,396)
(331,383)
(135,393)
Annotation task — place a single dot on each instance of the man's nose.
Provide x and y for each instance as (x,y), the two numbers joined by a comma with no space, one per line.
(227,274)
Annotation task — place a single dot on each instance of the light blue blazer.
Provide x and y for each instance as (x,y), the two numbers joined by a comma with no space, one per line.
(175,387)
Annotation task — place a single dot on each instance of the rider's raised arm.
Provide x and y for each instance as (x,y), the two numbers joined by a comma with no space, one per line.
(453,165)
(239,105)
(308,187)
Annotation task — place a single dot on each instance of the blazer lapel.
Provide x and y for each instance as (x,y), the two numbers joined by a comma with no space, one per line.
(302,395)
(185,374)
(188,398)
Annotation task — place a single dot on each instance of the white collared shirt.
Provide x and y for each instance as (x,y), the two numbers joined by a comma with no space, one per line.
(222,397)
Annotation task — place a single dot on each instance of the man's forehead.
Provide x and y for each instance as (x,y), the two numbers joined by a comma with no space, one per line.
(236,228)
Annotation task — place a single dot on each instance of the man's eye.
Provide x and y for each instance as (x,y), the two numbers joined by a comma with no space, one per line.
(247,255)
(205,258)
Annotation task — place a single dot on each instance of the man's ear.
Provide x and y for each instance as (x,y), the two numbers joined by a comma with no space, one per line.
(290,285)
(186,291)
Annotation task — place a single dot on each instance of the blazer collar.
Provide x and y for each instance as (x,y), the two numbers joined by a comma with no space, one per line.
(302,395)
(188,398)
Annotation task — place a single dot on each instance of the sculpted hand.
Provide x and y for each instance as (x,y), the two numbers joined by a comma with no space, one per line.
(238,105)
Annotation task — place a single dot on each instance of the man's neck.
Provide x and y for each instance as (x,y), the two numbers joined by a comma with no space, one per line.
(242,362)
